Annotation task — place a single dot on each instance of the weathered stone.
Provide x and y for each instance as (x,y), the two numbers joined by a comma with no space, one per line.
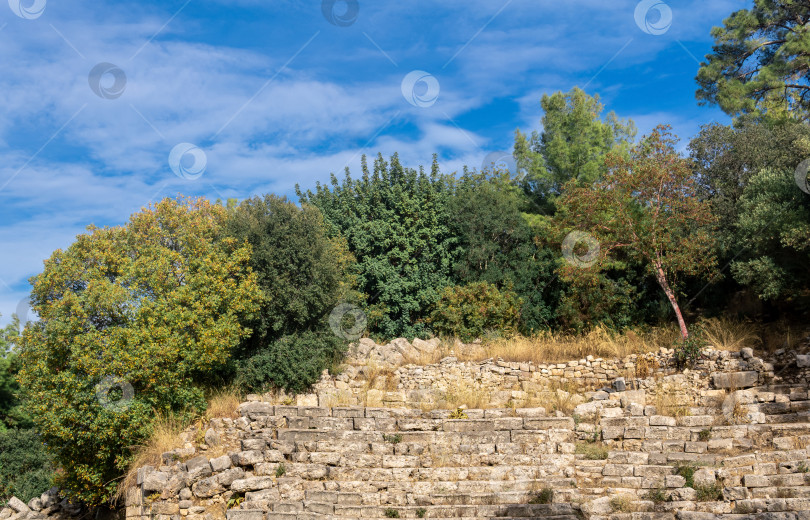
(734,379)
(704,477)
(211,437)
(803,361)
(155,481)
(207,487)
(227,477)
(249,458)
(198,467)
(221,463)
(251,484)
(18,505)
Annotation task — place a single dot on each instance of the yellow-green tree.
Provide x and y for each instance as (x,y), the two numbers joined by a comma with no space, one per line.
(133,320)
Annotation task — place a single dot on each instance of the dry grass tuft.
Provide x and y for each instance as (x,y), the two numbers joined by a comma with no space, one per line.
(728,334)
(224,403)
(549,347)
(165,437)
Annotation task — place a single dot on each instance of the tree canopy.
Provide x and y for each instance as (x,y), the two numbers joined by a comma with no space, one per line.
(760,62)
(133,321)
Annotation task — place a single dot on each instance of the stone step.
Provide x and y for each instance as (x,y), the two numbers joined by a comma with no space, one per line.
(304,510)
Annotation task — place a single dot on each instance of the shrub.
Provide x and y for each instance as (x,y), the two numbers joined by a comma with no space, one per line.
(133,319)
(391,513)
(687,351)
(687,471)
(469,311)
(301,271)
(26,469)
(293,362)
(420,513)
(705,435)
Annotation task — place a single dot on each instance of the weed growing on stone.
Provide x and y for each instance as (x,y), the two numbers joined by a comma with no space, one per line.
(235,501)
(544,497)
(391,513)
(459,414)
(622,504)
(393,439)
(705,435)
(592,451)
(708,493)
(280,470)
(687,471)
(802,467)
(657,495)
(420,513)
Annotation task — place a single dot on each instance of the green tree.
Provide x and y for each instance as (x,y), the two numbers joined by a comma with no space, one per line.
(647,207)
(496,245)
(396,223)
(573,145)
(774,224)
(133,320)
(726,157)
(760,62)
(303,272)
(470,311)
(26,470)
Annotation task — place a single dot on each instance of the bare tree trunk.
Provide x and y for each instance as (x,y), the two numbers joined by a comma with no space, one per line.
(662,281)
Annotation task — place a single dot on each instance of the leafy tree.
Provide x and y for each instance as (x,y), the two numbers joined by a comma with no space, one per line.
(774,223)
(293,362)
(647,207)
(470,311)
(26,470)
(760,61)
(496,245)
(725,158)
(396,223)
(302,272)
(133,319)
(573,144)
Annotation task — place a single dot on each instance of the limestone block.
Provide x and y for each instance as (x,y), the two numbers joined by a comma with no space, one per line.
(735,379)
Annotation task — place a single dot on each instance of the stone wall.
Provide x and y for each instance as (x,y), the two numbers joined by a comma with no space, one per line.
(298,462)
(504,383)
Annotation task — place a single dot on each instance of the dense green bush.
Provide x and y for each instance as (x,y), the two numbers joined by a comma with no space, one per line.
(26,470)
(133,319)
(292,362)
(302,272)
(395,220)
(495,244)
(470,311)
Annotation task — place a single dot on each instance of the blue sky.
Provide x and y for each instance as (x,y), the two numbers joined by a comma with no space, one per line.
(262,95)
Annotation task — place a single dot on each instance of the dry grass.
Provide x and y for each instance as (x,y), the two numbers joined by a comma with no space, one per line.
(166,430)
(460,394)
(669,400)
(165,437)
(549,347)
(728,334)
(224,403)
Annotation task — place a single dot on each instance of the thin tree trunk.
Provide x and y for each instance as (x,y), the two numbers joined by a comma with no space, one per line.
(662,281)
